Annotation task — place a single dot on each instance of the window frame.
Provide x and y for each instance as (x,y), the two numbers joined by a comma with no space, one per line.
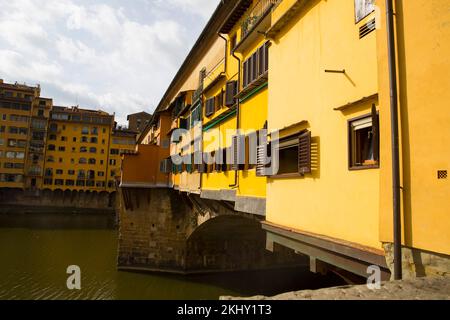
(350,165)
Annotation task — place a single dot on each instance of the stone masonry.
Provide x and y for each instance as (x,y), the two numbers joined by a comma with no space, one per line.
(164,230)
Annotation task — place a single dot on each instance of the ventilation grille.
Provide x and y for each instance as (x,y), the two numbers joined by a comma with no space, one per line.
(367,28)
(442,174)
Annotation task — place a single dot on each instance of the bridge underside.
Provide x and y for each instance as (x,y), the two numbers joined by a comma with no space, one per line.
(163,230)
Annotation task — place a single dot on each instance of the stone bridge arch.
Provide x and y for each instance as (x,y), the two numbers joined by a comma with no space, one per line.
(168,231)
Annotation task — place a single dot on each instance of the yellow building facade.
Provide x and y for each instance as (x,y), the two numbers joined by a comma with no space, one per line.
(23,123)
(78,151)
(315,75)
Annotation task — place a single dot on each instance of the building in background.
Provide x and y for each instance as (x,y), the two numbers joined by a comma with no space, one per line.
(78,150)
(19,104)
(138,121)
(34,172)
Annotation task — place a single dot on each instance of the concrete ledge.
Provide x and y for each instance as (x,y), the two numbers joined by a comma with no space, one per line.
(210,194)
(220,195)
(252,205)
(228,195)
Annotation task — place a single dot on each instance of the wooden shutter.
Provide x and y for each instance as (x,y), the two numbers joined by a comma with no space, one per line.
(255,66)
(230,93)
(210,108)
(376,134)
(304,153)
(245,73)
(235,162)
(261,60)
(266,56)
(261,152)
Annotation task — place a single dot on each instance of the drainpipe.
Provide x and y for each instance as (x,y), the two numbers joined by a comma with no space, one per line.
(236,173)
(395,140)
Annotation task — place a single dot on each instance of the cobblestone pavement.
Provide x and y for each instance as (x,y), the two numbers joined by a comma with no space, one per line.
(417,289)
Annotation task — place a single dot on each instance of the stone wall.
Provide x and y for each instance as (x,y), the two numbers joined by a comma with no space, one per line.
(66,200)
(418,263)
(168,231)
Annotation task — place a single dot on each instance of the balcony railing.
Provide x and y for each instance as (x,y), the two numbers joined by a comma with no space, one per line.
(255,15)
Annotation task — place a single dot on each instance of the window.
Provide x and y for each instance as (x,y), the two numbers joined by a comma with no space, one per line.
(60,160)
(94,140)
(85,130)
(83,149)
(113,173)
(230,93)
(84,139)
(74,139)
(59,172)
(48,172)
(364,142)
(81,174)
(94,130)
(101,174)
(91,174)
(210,107)
(63,139)
(81,183)
(2,141)
(70,182)
(256,65)
(40,113)
(51,147)
(62,149)
(82,161)
(363,8)
(93,150)
(294,154)
(48,182)
(92,161)
(52,137)
(114,151)
(71,172)
(59,182)
(112,162)
(100,184)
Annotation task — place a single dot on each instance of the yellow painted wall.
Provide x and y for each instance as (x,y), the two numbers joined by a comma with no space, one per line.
(74,130)
(253,115)
(212,140)
(423,29)
(332,201)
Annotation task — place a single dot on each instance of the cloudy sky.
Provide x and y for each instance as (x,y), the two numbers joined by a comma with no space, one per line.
(115,55)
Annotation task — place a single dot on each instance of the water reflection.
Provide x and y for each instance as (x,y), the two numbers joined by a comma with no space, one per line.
(36,249)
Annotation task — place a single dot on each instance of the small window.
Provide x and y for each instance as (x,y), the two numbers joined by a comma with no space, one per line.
(364,142)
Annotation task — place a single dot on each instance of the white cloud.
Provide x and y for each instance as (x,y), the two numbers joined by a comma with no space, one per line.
(109,55)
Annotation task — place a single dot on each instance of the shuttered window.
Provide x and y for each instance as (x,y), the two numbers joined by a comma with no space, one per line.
(231,92)
(210,107)
(256,65)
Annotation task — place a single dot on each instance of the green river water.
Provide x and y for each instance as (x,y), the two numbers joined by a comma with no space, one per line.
(36,249)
